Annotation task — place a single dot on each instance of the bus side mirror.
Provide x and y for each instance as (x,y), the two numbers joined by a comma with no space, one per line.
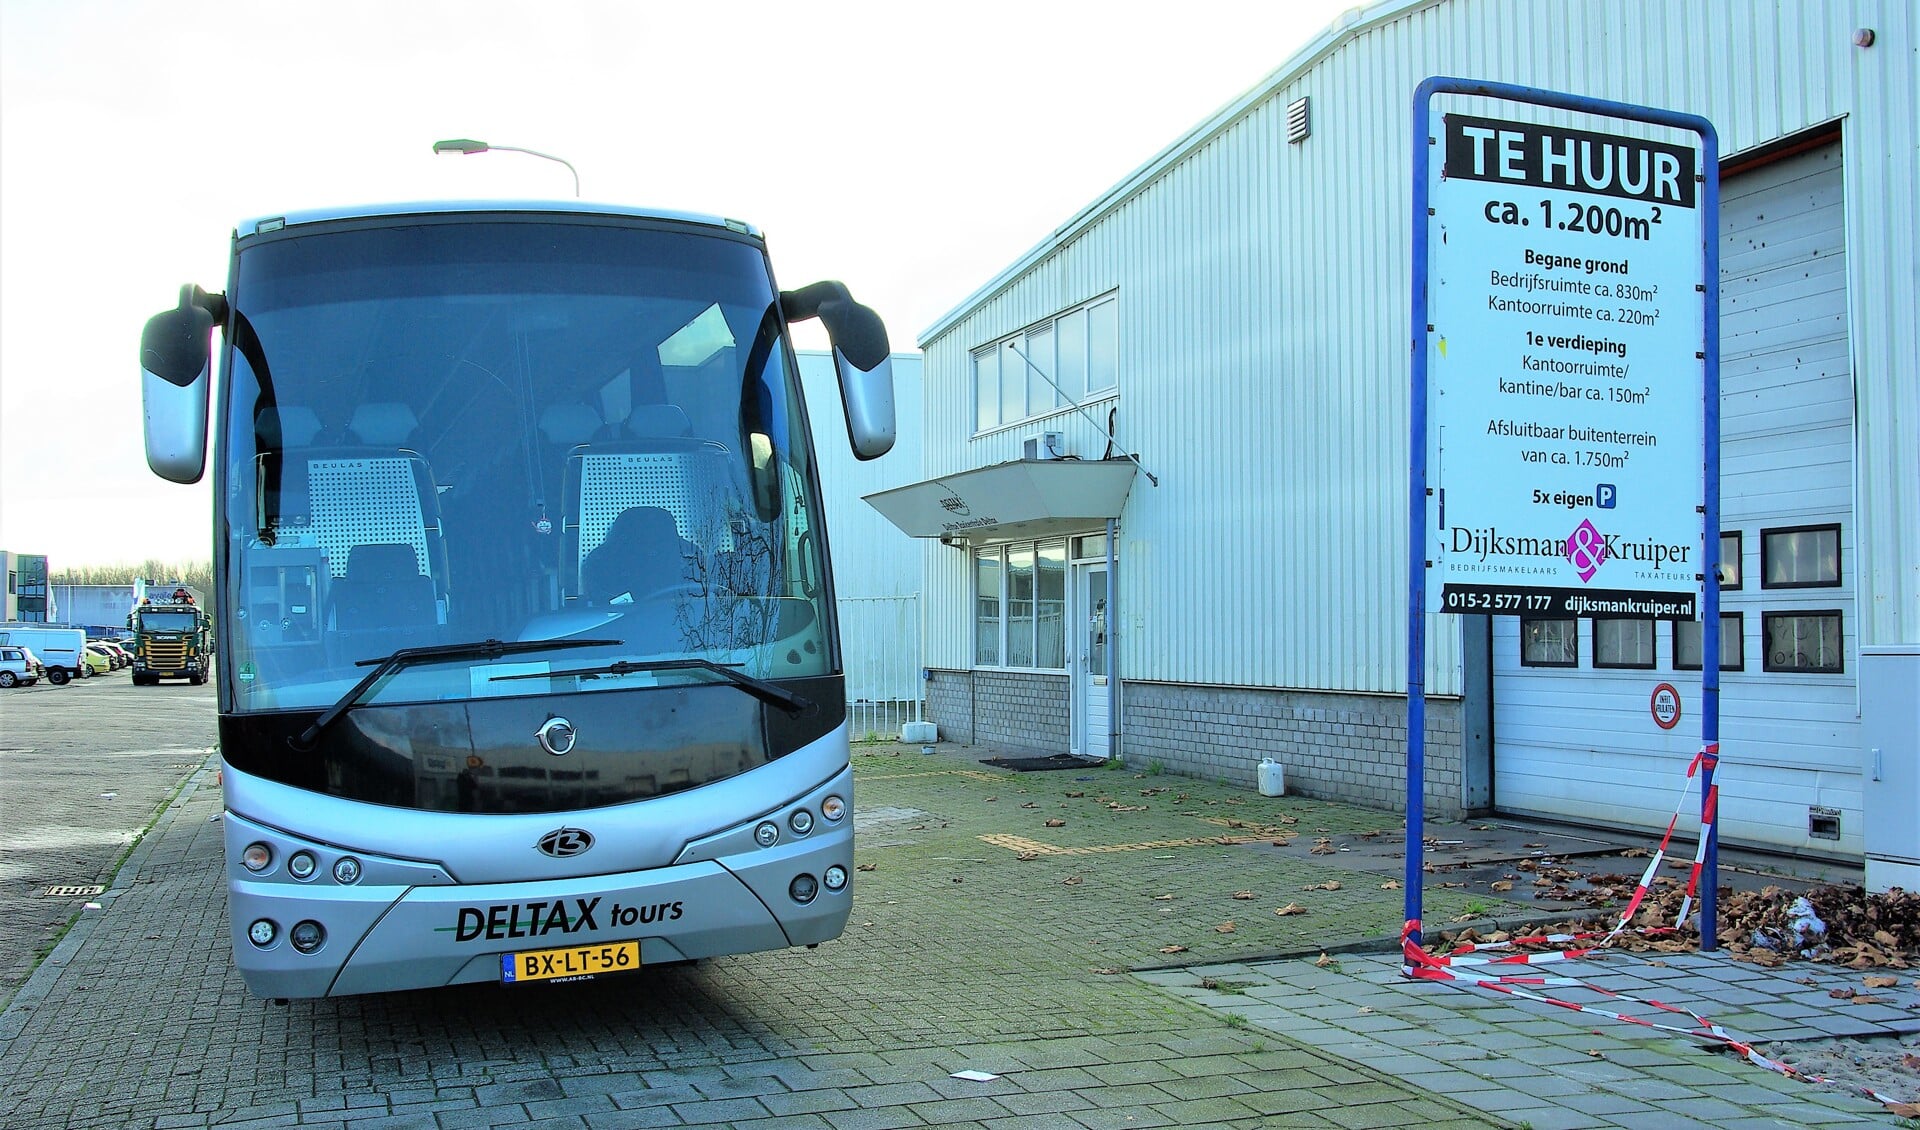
(175,382)
(861,359)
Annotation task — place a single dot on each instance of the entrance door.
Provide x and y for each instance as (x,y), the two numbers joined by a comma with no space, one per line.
(1092,704)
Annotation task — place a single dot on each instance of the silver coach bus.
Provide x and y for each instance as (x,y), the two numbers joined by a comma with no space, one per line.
(528,668)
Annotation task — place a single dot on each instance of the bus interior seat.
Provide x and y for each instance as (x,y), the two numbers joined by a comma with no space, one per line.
(384,589)
(376,492)
(642,553)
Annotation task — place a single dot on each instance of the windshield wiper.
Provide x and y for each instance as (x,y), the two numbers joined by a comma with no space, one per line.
(758,688)
(407,656)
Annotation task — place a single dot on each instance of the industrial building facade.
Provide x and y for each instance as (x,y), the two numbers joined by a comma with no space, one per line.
(1166,457)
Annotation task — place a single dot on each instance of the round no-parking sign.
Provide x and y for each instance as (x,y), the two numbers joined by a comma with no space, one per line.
(1666,706)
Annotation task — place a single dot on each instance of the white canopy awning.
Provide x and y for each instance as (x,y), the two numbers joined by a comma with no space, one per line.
(1025,499)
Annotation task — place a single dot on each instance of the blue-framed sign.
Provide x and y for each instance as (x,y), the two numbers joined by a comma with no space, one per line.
(1564,457)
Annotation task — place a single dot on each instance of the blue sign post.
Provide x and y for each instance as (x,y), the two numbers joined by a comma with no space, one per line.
(1575,258)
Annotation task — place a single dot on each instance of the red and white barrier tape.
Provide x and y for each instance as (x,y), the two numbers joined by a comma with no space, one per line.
(1421,965)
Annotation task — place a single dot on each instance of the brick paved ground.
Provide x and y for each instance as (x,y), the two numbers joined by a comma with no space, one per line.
(982,938)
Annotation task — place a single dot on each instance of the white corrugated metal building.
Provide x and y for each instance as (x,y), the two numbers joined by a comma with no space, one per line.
(876,568)
(1235,315)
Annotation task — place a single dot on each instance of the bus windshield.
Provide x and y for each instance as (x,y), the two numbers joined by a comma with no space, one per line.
(517,427)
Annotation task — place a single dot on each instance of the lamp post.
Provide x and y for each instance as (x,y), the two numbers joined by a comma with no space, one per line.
(465,146)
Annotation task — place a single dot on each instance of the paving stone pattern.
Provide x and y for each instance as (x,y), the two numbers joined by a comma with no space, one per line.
(981,939)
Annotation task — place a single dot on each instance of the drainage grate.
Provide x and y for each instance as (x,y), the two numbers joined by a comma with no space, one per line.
(74,892)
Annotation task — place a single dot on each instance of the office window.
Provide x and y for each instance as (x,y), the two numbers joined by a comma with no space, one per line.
(1800,557)
(1020,606)
(1687,644)
(1549,643)
(1020,601)
(1623,643)
(986,615)
(1732,565)
(1067,357)
(986,389)
(1802,641)
(1050,606)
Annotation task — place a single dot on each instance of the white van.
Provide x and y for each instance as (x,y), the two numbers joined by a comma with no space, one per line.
(61,650)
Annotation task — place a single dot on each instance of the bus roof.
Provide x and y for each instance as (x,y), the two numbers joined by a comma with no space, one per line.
(446,207)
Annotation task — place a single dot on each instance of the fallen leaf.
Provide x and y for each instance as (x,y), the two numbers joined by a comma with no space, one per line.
(1329,885)
(1502,885)
(1243,896)
(1323,961)
(1224,928)
(1290,909)
(1324,846)
(1842,994)
(1864,999)
(1109,972)
(991,799)
(1173,949)
(1390,885)
(1056,822)
(1363,1010)
(865,866)
(1030,804)
(1881,982)
(1077,793)
(1072,881)
(1596,1053)
(1163,898)
(1027,856)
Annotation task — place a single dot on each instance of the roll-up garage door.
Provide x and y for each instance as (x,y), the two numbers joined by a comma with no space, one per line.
(1579,706)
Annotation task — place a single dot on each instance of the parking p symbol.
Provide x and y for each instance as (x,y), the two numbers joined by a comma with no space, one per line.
(1603,496)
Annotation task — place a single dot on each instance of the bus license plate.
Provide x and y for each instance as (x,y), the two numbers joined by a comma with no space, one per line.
(573,962)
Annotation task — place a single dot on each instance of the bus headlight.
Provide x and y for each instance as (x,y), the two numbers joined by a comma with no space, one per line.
(307,936)
(803,888)
(262,932)
(301,865)
(346,870)
(767,834)
(835,877)
(801,821)
(257,858)
(833,808)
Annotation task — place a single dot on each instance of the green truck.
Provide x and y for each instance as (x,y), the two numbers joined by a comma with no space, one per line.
(172,638)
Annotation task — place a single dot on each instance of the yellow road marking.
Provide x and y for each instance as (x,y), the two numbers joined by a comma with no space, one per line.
(1020,844)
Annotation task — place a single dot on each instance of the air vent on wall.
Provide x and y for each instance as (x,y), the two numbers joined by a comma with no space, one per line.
(1297,123)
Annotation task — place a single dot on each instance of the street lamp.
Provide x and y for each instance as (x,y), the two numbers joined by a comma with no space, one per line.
(464,146)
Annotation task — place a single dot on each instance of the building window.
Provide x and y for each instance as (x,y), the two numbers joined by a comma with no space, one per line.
(986,615)
(1549,643)
(1802,641)
(1020,602)
(1732,567)
(1076,354)
(1020,606)
(1623,643)
(1687,644)
(1800,557)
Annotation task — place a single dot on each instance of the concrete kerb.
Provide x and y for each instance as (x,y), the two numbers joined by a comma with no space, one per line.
(48,972)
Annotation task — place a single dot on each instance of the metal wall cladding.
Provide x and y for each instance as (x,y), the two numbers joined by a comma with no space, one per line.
(871,557)
(1264,321)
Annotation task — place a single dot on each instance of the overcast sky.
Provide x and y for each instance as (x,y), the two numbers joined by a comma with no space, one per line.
(911,150)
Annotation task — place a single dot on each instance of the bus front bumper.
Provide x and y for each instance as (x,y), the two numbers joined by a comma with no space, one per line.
(407,926)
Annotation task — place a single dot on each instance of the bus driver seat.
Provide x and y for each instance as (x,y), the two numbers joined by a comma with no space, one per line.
(642,554)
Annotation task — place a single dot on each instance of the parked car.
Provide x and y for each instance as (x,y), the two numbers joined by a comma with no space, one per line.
(97,661)
(19,668)
(121,656)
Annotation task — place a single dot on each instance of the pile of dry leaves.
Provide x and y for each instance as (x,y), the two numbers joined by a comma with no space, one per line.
(1862,931)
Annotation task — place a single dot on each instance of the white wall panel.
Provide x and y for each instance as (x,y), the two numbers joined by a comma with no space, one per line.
(1264,338)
